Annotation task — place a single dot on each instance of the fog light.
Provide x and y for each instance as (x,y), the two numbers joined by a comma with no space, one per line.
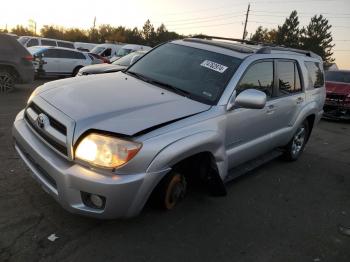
(93,201)
(96,201)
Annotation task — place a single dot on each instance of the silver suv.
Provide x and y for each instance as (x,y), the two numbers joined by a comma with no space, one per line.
(190,111)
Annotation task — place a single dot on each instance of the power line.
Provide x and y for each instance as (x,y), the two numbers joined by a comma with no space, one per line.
(305,13)
(204,21)
(235,22)
(201,18)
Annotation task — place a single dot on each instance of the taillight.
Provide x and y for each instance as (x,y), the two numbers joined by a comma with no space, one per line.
(28,58)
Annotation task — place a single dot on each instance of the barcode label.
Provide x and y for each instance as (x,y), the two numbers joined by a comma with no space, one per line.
(214,66)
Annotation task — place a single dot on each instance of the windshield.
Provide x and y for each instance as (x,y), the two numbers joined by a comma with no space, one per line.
(338,76)
(200,73)
(123,51)
(126,60)
(23,40)
(98,49)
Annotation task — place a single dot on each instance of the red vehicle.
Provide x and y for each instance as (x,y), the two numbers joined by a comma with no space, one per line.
(337,104)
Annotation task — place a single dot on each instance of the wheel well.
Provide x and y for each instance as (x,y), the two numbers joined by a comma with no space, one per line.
(76,69)
(311,121)
(201,172)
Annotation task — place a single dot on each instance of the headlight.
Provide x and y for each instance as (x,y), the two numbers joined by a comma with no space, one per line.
(34,93)
(106,151)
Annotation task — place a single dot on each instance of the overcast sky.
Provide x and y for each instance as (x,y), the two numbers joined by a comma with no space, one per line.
(220,18)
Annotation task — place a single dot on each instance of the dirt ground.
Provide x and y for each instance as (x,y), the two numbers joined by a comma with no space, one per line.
(280,212)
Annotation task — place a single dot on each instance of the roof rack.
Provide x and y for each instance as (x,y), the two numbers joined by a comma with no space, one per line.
(266,48)
(230,46)
(249,42)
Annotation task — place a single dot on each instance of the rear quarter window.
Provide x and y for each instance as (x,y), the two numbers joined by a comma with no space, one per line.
(316,75)
(48,42)
(65,44)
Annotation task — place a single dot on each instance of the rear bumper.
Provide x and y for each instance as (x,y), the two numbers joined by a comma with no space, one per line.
(65,180)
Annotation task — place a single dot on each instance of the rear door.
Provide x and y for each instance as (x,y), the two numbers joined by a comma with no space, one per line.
(288,100)
(71,60)
(52,63)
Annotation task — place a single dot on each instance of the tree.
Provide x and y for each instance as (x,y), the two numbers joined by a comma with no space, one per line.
(21,30)
(52,32)
(317,37)
(264,35)
(260,35)
(289,34)
(148,33)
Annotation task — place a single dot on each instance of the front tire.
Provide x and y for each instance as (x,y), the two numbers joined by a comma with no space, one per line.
(171,190)
(7,81)
(297,144)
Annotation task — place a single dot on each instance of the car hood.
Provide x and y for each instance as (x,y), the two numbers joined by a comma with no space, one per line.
(101,68)
(117,103)
(338,88)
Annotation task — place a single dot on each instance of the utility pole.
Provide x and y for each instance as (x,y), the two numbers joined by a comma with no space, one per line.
(246,22)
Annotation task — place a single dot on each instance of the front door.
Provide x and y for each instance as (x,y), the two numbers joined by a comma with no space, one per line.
(248,130)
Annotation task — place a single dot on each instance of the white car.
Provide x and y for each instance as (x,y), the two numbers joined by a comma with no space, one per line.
(57,61)
(129,48)
(106,50)
(29,41)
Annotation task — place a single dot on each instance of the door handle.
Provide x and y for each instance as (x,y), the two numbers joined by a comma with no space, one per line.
(300,100)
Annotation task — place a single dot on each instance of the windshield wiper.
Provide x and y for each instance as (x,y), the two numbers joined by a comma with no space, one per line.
(161,84)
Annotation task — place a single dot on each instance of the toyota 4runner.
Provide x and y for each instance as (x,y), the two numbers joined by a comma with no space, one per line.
(189,111)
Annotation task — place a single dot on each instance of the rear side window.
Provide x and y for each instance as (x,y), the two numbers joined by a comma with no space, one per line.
(48,42)
(65,44)
(315,74)
(259,76)
(51,53)
(288,78)
(33,42)
(71,54)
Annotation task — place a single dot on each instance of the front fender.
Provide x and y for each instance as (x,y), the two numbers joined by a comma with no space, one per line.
(207,141)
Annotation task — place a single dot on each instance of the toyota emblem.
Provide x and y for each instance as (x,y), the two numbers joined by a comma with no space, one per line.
(42,120)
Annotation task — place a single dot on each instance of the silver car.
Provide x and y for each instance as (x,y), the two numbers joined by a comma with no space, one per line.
(189,111)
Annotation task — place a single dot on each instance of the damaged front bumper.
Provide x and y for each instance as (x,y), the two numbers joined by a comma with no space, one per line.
(337,112)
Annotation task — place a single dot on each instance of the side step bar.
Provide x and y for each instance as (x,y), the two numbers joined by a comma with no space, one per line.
(251,165)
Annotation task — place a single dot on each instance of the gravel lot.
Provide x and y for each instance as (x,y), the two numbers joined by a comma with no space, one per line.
(280,212)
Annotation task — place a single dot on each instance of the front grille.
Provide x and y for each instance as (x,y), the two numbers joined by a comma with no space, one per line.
(54,123)
(55,134)
(336,97)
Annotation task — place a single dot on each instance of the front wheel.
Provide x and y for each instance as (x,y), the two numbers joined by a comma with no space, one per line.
(297,144)
(171,190)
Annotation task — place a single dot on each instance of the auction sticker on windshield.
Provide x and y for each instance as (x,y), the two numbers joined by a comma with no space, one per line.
(214,66)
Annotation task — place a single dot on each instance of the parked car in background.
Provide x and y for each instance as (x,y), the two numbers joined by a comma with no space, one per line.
(58,61)
(129,48)
(15,63)
(29,41)
(98,57)
(103,145)
(337,105)
(116,66)
(86,47)
(106,50)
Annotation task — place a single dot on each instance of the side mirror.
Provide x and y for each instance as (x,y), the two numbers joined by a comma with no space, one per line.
(250,98)
(134,59)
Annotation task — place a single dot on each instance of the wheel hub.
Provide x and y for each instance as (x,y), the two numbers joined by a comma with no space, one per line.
(298,140)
